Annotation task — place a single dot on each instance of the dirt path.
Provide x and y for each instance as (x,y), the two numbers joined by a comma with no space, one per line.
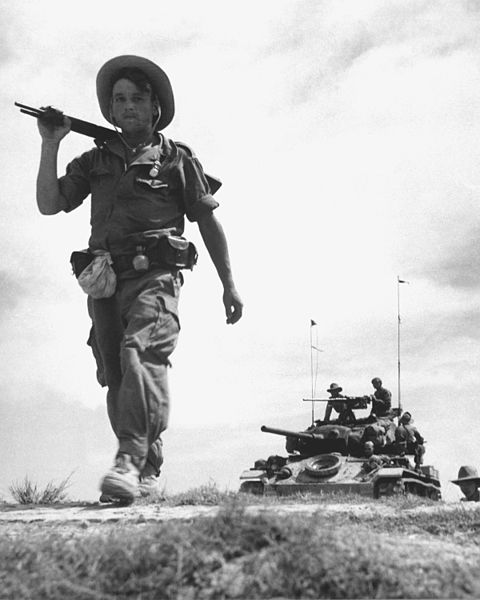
(96,513)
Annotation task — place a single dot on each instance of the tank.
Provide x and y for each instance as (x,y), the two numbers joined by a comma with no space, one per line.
(331,456)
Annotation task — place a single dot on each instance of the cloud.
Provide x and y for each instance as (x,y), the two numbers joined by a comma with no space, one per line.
(453,255)
(458,265)
(321,42)
(464,325)
(14,290)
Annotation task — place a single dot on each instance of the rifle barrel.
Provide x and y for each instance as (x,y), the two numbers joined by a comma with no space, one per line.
(29,112)
(26,106)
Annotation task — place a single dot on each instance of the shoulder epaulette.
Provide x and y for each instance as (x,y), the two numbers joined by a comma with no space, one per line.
(213,182)
(187,149)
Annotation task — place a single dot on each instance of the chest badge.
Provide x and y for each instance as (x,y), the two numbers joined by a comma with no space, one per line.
(155,184)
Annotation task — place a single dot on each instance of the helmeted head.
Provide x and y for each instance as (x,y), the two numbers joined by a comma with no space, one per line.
(375,434)
(146,76)
(406,418)
(333,434)
(368,449)
(377,382)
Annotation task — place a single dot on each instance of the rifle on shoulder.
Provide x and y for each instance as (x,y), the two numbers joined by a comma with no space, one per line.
(53,116)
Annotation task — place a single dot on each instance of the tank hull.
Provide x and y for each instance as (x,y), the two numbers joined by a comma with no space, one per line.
(334,473)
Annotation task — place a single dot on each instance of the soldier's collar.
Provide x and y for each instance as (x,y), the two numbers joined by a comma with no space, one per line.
(149,154)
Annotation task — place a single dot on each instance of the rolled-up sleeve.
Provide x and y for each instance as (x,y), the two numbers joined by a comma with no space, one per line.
(75,184)
(197,196)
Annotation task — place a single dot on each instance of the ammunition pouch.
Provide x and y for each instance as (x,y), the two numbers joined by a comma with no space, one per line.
(177,252)
(167,252)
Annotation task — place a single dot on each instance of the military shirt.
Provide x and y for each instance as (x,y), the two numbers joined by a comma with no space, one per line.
(164,183)
(382,402)
(406,432)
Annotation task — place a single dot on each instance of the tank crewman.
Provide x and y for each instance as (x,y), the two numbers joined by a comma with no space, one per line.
(337,405)
(382,409)
(408,438)
(142,187)
(469,482)
(381,400)
(374,434)
(373,461)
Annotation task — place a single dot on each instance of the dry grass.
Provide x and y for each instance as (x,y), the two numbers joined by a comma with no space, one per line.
(29,492)
(236,554)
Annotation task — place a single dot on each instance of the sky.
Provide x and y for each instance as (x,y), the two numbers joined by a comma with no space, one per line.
(346,135)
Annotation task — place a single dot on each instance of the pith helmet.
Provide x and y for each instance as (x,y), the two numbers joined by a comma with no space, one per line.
(158,78)
(466,473)
(333,387)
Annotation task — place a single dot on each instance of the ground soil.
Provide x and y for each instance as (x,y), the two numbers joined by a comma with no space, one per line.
(93,512)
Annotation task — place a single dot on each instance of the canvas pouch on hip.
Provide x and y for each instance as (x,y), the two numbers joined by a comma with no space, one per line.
(98,279)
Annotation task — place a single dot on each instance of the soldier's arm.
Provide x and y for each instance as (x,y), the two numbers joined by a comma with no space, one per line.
(328,411)
(216,243)
(419,438)
(49,199)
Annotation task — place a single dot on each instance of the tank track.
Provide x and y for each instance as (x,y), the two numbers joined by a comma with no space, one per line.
(400,486)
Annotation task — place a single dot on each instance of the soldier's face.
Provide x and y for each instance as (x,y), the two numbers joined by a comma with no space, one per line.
(469,489)
(368,449)
(132,108)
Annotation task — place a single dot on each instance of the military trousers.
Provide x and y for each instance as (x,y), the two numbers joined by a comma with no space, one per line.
(133,335)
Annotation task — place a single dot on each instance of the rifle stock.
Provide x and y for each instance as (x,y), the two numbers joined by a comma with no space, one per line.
(55,117)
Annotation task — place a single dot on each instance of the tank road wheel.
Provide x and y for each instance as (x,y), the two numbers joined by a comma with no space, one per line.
(411,488)
(325,465)
(387,487)
(252,487)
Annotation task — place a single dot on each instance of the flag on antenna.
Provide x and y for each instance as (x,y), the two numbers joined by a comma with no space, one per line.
(402,280)
(312,323)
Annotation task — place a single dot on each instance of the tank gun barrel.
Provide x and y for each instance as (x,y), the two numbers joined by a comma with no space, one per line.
(301,435)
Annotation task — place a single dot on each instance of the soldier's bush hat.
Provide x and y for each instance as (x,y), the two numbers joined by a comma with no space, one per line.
(467,473)
(158,78)
(334,386)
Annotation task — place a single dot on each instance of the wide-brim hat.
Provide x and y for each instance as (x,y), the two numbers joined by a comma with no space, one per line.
(467,474)
(157,77)
(333,387)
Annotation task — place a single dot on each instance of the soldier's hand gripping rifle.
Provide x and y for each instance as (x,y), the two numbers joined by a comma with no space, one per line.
(53,116)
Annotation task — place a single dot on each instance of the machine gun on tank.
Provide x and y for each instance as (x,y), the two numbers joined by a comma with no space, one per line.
(348,404)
